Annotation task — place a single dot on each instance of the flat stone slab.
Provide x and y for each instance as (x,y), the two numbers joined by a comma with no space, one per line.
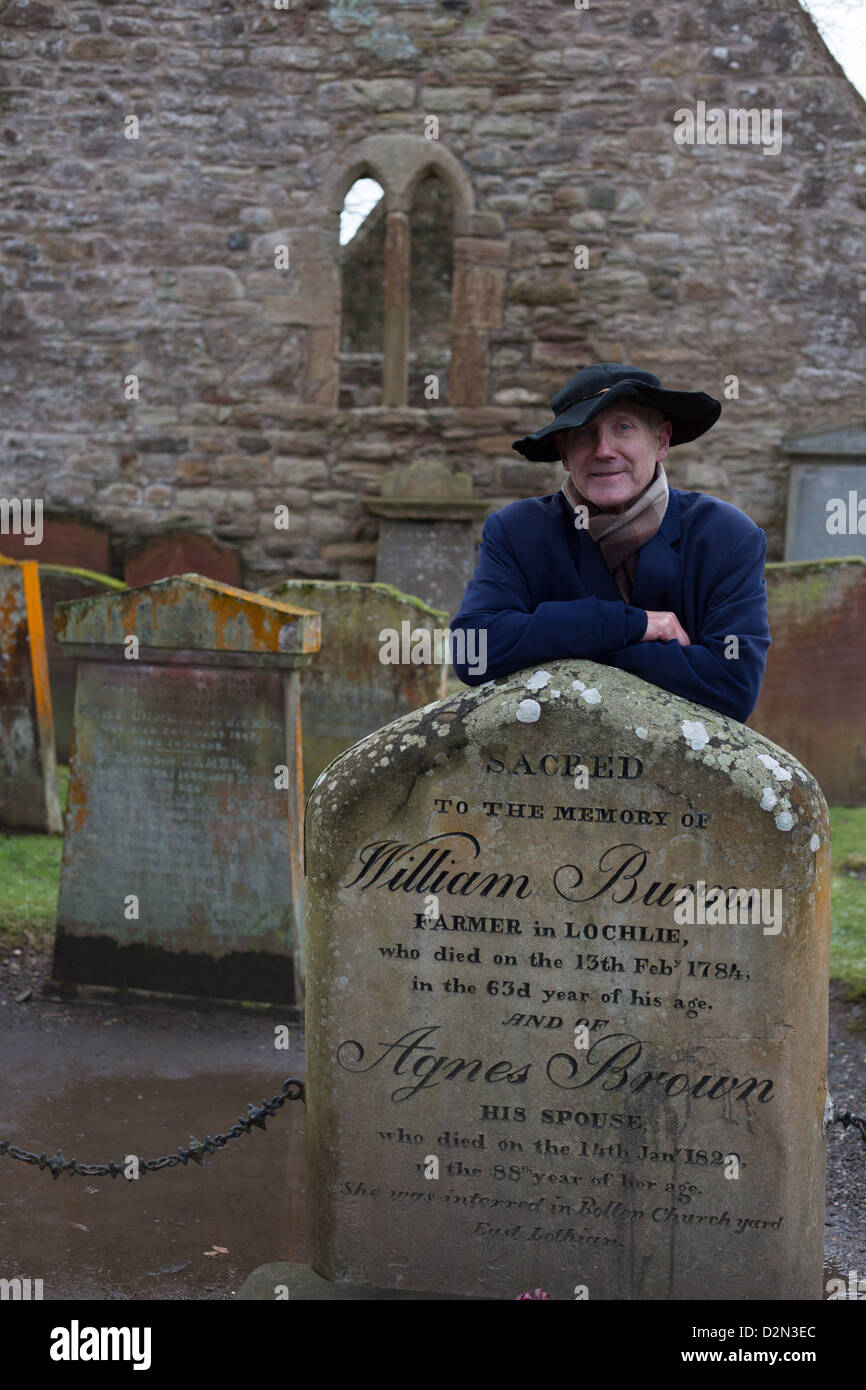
(190,613)
(299,1283)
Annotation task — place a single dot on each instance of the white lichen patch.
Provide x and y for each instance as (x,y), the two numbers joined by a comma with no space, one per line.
(384,762)
(815,843)
(641,731)
(592,697)
(695,734)
(555,694)
(784,820)
(778,769)
(578,685)
(538,680)
(528,711)
(768,799)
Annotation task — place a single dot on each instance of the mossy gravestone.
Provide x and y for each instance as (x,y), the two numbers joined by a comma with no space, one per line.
(527,1068)
(364,675)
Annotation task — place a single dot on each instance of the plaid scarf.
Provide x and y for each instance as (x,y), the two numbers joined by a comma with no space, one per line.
(620,535)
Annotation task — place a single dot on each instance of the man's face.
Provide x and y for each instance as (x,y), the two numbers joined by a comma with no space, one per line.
(613,457)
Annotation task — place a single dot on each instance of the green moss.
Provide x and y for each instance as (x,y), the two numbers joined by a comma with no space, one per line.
(91,575)
(807,583)
(343,584)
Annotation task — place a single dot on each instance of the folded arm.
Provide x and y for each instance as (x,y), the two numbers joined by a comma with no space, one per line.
(497,604)
(724,664)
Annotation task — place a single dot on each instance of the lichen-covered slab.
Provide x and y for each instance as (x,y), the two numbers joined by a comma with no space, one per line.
(348,691)
(28,770)
(811,697)
(182,867)
(525,1068)
(189,612)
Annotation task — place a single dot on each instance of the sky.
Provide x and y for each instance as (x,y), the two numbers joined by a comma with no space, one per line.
(842,24)
(843,28)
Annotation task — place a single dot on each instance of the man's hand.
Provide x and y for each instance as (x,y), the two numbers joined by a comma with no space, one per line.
(665,627)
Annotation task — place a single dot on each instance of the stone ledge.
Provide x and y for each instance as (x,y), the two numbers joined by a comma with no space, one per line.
(303,1284)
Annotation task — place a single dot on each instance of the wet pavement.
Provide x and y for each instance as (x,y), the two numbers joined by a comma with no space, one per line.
(105,1079)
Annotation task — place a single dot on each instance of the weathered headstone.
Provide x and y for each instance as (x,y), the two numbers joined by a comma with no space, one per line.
(349,690)
(62,584)
(426,516)
(826,515)
(181,552)
(28,769)
(812,694)
(60,540)
(525,1069)
(182,861)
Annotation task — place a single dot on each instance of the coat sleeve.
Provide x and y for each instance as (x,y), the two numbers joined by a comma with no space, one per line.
(503,633)
(736,607)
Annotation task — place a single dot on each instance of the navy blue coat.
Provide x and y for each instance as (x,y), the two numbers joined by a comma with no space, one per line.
(542,591)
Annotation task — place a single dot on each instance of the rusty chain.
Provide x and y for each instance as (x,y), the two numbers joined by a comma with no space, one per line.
(845,1118)
(292,1089)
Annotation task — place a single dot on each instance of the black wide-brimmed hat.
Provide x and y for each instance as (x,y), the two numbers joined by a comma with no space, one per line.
(596,388)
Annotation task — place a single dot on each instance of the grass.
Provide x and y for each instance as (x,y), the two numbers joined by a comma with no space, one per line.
(29,883)
(848,907)
(30,878)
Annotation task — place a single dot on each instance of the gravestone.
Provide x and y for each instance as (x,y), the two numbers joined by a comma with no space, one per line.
(28,769)
(826,514)
(427,516)
(182,860)
(64,540)
(181,552)
(811,697)
(349,690)
(62,584)
(525,1069)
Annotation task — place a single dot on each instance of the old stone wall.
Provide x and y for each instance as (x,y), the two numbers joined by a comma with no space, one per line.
(148,265)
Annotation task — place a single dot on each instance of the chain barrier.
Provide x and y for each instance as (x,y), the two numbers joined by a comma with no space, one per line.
(845,1118)
(292,1089)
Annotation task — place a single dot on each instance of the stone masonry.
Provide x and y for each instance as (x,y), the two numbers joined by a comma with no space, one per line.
(169,259)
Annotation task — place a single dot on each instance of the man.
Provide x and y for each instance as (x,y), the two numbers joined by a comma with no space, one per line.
(617,566)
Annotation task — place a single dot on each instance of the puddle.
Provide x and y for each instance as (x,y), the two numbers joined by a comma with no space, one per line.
(113,1238)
